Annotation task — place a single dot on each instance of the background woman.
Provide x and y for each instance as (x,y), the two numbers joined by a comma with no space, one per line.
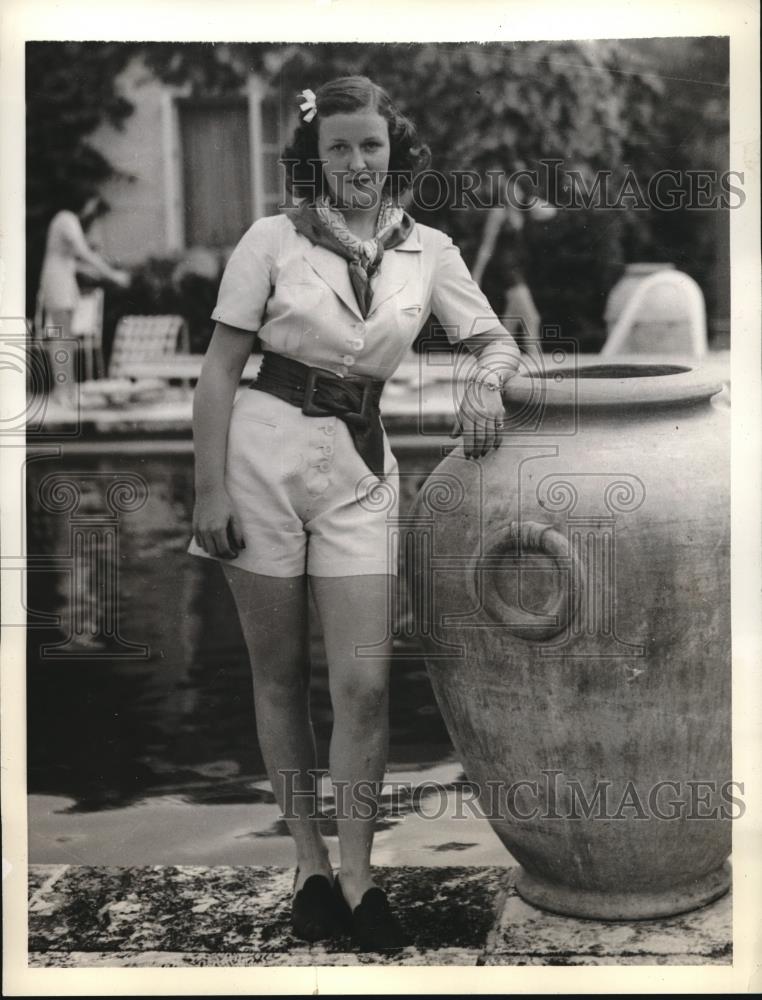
(297,486)
(66,252)
(501,263)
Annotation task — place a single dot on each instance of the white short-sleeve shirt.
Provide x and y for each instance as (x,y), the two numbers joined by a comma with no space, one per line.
(299,298)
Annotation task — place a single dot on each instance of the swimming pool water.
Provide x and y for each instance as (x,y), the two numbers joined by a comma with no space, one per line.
(111,724)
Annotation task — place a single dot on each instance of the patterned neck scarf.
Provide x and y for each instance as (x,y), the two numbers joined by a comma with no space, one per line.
(324,224)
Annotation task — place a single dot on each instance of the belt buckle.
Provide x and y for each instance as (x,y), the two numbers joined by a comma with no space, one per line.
(310,409)
(361,417)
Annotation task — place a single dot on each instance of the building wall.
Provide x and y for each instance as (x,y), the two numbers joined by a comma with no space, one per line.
(137,225)
(148,212)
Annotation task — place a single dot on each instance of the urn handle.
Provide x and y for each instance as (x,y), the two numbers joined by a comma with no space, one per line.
(507,554)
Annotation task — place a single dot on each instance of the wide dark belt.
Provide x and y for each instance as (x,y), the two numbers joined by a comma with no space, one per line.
(321,393)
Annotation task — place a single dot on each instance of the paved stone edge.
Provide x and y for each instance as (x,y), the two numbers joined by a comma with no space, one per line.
(44,879)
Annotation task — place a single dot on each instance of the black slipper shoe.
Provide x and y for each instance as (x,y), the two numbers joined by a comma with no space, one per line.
(373,924)
(314,911)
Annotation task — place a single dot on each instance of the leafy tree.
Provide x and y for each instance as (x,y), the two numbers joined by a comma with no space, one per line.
(478,105)
(595,106)
(686,130)
(71,88)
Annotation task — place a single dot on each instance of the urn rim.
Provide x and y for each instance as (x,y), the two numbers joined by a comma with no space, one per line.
(614,383)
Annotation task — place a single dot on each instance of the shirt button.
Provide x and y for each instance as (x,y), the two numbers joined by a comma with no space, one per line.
(348,359)
(327,449)
(324,466)
(329,429)
(357,344)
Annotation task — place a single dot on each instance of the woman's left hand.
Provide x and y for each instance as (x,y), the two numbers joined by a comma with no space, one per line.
(480,420)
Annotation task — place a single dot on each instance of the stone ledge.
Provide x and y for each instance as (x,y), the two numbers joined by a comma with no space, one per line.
(523,930)
(171,916)
(297,957)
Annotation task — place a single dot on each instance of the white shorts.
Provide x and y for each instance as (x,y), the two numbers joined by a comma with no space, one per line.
(305,499)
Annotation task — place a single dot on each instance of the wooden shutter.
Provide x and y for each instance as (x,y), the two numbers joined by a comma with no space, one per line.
(216,170)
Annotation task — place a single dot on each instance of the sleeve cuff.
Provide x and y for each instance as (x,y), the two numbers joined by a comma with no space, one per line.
(238,322)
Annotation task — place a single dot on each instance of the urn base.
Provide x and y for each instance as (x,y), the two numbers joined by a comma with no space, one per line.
(575,902)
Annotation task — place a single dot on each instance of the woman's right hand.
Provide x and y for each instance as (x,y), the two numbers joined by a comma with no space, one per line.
(121,278)
(216,528)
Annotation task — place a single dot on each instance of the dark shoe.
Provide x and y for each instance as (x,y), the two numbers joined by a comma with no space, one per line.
(315,914)
(374,927)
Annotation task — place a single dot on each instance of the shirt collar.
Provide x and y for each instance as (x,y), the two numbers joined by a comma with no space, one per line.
(413,241)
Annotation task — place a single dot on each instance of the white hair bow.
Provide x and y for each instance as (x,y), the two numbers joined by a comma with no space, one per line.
(309,107)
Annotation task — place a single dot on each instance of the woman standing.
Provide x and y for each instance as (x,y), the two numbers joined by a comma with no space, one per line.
(501,262)
(66,252)
(288,483)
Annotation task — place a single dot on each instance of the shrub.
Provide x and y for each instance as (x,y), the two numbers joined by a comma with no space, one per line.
(181,285)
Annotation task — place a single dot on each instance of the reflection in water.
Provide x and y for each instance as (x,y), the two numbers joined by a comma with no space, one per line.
(396,801)
(107,726)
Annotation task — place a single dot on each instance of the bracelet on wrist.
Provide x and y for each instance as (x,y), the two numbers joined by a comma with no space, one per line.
(489,380)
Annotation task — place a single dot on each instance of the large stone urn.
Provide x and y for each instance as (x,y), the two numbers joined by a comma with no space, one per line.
(572,596)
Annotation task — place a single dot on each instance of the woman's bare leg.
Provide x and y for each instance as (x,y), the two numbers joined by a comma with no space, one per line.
(355,611)
(519,305)
(274,618)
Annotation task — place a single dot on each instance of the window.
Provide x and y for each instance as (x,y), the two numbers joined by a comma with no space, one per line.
(272,141)
(222,168)
(216,170)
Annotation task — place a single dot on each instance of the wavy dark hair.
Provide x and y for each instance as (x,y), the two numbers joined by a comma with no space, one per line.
(407,155)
